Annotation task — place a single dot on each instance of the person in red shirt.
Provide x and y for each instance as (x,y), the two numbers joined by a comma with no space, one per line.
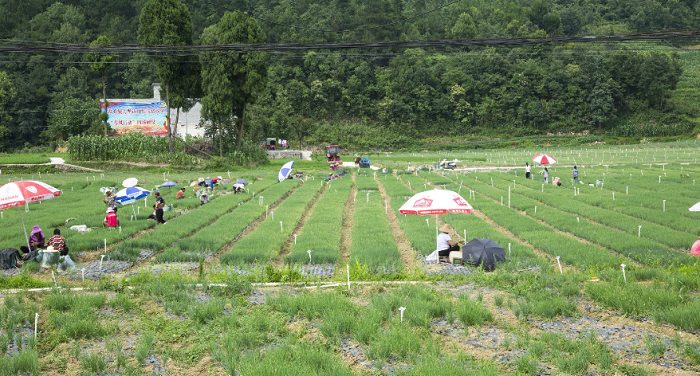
(58,242)
(110,219)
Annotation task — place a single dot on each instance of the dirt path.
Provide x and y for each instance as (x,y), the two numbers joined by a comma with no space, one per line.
(346,228)
(278,262)
(408,254)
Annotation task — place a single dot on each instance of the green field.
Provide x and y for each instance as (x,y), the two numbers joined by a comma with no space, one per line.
(236,285)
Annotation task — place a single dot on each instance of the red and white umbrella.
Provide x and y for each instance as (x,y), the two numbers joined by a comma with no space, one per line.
(695,207)
(436,201)
(544,159)
(19,193)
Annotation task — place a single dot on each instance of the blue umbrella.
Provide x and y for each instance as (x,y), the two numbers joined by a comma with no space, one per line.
(241,181)
(168,184)
(130,195)
(285,171)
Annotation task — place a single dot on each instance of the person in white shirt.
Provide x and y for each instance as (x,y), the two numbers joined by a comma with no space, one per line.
(527,171)
(445,243)
(546,175)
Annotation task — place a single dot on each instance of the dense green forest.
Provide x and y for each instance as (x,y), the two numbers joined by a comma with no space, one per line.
(363,98)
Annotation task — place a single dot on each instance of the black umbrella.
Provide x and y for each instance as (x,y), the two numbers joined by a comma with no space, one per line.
(483,252)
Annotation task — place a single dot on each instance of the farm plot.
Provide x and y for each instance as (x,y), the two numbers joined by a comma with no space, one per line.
(417,228)
(569,202)
(372,243)
(184,225)
(643,250)
(321,233)
(543,237)
(265,243)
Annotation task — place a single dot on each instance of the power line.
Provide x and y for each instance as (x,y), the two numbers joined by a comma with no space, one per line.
(330,31)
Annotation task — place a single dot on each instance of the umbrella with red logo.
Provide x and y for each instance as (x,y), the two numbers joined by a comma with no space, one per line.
(19,193)
(544,159)
(436,201)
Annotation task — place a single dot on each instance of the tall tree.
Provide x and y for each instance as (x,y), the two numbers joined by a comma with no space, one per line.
(7,94)
(166,22)
(229,83)
(101,63)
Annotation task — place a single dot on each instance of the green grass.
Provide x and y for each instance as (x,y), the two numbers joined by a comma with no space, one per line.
(23,158)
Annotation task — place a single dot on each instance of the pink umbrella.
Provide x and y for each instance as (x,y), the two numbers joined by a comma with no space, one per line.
(436,201)
(21,192)
(544,159)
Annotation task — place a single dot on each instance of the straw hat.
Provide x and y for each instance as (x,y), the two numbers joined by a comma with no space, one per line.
(201,179)
(446,228)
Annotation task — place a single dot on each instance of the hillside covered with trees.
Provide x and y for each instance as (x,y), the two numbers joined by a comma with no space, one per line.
(366,97)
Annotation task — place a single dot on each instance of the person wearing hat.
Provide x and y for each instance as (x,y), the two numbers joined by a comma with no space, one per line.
(204,197)
(58,242)
(201,182)
(111,200)
(36,238)
(216,180)
(445,243)
(110,219)
(180,194)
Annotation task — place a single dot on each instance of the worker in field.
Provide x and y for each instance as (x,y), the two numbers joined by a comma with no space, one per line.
(574,173)
(445,243)
(160,204)
(527,170)
(110,219)
(180,194)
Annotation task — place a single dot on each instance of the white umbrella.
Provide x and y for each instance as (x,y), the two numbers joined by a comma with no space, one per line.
(21,192)
(130,182)
(695,207)
(436,201)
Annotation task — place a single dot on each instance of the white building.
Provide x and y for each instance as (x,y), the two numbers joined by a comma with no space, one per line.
(187,123)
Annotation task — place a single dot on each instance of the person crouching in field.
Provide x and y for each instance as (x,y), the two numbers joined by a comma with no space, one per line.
(180,194)
(445,243)
(110,219)
(58,242)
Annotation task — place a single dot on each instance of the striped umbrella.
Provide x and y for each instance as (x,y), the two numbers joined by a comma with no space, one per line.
(19,193)
(544,159)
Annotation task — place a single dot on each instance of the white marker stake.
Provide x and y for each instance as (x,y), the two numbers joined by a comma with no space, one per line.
(83,273)
(639,234)
(36,323)
(508,250)
(659,179)
(386,207)
(145,202)
(542,187)
(513,184)
(535,209)
(465,235)
(578,219)
(627,190)
(266,208)
(623,272)
(347,269)
(367,197)
(295,238)
(613,196)
(402,309)
(2,215)
(559,263)
(54,278)
(309,252)
(508,196)
(427,222)
(138,209)
(105,245)
(664,205)
(132,217)
(460,186)
(272,214)
(281,226)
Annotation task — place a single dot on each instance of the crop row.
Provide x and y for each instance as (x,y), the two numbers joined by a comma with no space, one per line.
(643,250)
(372,242)
(321,233)
(545,238)
(566,201)
(186,224)
(417,228)
(265,242)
